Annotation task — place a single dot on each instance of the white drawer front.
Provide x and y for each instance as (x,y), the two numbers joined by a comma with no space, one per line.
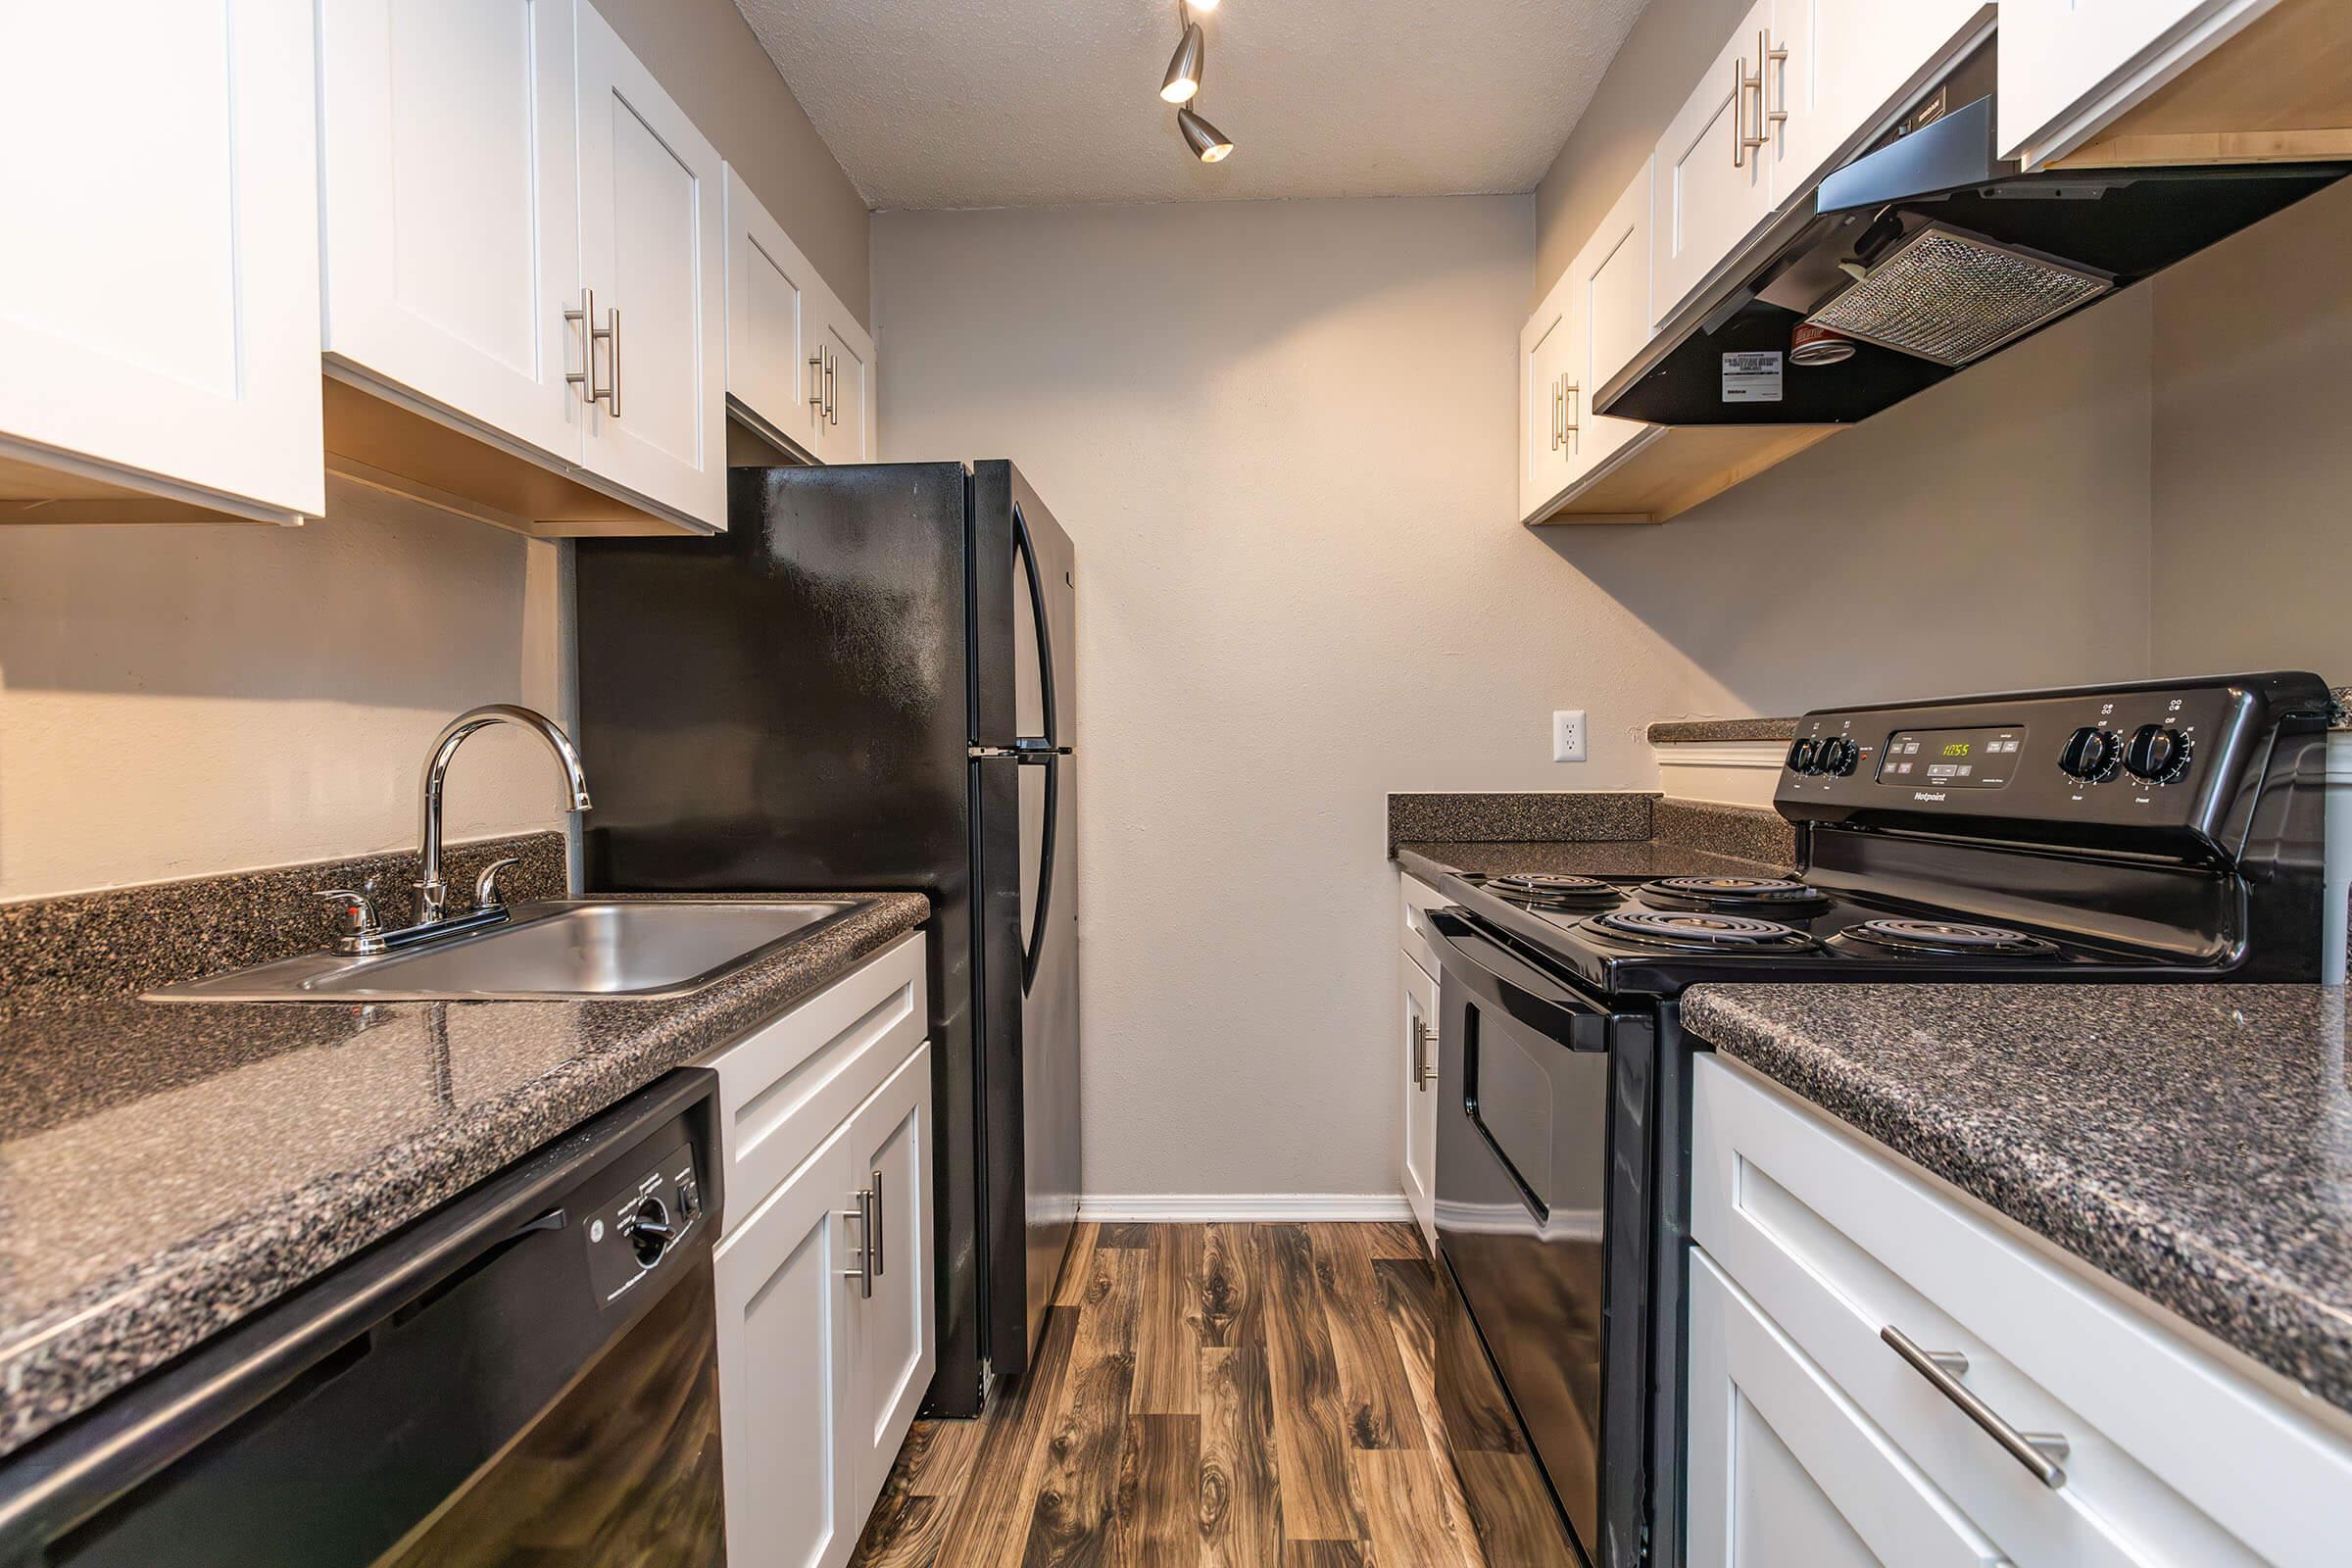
(1412,927)
(2173,1458)
(784,1087)
(1785,1472)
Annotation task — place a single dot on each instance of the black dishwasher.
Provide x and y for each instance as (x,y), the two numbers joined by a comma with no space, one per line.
(527,1375)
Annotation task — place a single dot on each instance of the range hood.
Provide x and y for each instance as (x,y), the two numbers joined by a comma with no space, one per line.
(1928,253)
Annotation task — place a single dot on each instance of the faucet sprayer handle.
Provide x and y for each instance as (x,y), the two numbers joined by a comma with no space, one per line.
(357,928)
(486,895)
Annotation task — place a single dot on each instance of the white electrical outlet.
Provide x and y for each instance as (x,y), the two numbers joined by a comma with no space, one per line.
(1568,735)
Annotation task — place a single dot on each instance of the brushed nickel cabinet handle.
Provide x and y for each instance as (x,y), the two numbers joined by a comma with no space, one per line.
(1423,1073)
(816,381)
(873,1247)
(1740,140)
(1570,429)
(863,1214)
(612,343)
(2038,1451)
(833,389)
(1766,57)
(585,377)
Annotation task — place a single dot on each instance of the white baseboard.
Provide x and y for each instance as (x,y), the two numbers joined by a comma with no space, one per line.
(1171,1208)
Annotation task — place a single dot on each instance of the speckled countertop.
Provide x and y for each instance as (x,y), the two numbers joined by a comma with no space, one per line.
(165,1169)
(2193,1141)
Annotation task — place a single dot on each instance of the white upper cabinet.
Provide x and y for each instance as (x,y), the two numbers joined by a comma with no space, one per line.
(1800,82)
(847,355)
(158,290)
(1544,357)
(2068,67)
(1608,302)
(452,208)
(1712,191)
(522,241)
(653,250)
(771,312)
(1850,65)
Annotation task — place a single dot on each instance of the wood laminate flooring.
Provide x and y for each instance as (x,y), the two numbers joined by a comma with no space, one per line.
(1230,1396)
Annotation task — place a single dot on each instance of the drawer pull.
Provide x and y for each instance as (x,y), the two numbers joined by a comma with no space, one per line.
(2037,1451)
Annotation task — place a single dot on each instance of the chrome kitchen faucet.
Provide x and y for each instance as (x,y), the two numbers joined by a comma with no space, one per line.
(359,931)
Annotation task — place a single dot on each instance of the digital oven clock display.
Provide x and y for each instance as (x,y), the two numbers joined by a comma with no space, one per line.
(1951,759)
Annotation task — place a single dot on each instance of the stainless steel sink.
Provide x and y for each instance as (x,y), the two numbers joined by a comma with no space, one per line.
(644,951)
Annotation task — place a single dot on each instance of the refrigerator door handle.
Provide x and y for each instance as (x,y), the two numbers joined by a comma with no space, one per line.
(1045,633)
(1036,947)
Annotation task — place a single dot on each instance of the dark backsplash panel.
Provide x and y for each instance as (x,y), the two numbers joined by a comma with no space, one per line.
(138,938)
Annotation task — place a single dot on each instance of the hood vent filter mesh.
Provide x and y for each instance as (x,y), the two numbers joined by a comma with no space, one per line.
(1954,297)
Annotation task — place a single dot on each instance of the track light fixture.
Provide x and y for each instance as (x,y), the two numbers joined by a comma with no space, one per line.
(1203,137)
(1184,67)
(1182,87)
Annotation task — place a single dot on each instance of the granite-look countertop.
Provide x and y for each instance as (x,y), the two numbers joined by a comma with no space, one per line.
(1704,731)
(2193,1141)
(168,1168)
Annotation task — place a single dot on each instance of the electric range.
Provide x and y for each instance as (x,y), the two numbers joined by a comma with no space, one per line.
(2165,831)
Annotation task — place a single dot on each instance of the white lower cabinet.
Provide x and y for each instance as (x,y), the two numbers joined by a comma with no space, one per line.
(1420,1094)
(786,1368)
(1816,1242)
(827,1335)
(1417,974)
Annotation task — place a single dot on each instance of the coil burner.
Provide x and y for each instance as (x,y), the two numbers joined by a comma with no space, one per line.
(1733,892)
(1945,939)
(1700,932)
(1550,891)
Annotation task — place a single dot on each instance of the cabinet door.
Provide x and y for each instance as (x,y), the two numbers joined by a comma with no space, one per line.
(895,1343)
(1544,354)
(2057,56)
(451,196)
(1848,66)
(846,433)
(773,318)
(653,248)
(1610,302)
(159,288)
(1712,190)
(1420,1095)
(1785,1472)
(785,1369)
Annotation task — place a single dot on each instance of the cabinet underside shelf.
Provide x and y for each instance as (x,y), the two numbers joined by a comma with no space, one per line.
(1668,469)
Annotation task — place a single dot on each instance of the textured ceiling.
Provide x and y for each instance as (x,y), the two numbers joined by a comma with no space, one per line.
(1012,103)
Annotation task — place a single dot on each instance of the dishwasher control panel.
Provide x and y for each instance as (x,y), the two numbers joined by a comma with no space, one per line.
(639,1219)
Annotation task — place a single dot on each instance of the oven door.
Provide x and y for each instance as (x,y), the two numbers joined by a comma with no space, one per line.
(1542,1181)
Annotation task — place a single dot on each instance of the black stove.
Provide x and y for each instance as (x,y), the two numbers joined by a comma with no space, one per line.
(2167,831)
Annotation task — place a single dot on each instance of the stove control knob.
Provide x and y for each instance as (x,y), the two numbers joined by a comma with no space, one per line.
(2158,754)
(649,1232)
(1836,756)
(2091,754)
(1800,758)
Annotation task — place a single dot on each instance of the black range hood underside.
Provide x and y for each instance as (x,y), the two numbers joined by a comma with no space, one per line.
(2132,222)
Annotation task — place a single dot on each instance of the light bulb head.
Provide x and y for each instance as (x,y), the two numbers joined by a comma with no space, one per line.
(1206,141)
(1184,70)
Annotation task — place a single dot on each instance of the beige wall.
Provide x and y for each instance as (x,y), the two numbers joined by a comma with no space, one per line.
(1281,435)
(2253,448)
(704,52)
(181,701)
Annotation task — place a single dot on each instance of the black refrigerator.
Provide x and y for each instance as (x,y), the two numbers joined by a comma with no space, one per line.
(868,683)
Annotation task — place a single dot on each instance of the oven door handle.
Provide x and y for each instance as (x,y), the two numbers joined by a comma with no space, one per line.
(1502,979)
